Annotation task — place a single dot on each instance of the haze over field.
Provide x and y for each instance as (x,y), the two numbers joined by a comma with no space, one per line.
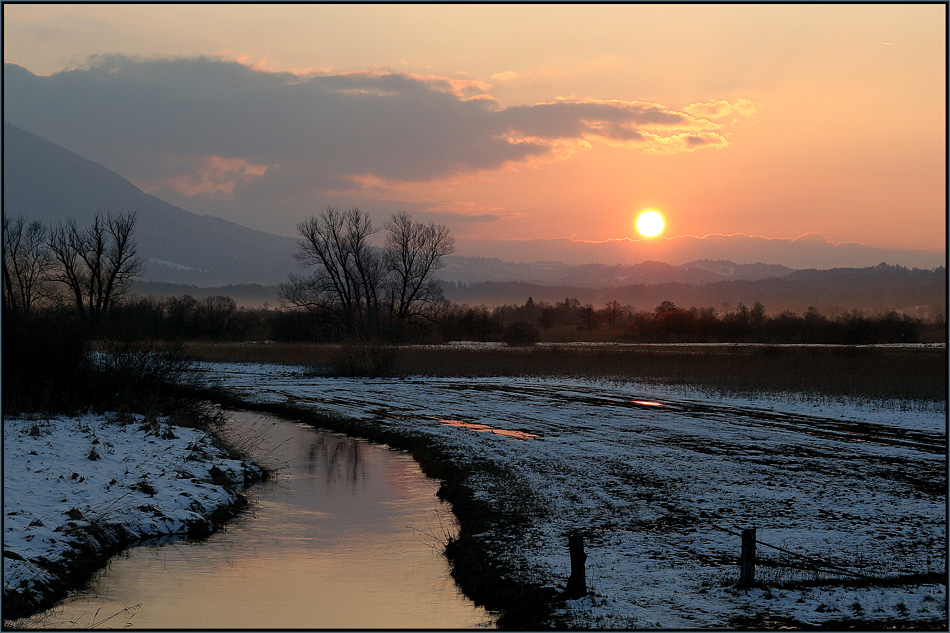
(810,136)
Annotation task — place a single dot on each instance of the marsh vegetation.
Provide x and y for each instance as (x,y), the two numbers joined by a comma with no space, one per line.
(874,372)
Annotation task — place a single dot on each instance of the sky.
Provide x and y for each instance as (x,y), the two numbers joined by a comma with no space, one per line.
(518,126)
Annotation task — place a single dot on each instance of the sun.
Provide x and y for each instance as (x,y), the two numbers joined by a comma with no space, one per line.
(650,223)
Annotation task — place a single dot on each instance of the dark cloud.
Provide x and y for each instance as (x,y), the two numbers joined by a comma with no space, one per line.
(157,120)
(696,141)
(567,119)
(388,124)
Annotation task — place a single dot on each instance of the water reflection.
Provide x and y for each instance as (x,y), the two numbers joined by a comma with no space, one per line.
(341,538)
(485,428)
(337,457)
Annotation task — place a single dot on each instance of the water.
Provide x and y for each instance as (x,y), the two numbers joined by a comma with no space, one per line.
(348,535)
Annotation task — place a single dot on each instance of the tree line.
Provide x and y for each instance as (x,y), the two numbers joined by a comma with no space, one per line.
(570,320)
(88,268)
(66,286)
(60,283)
(219,318)
(353,289)
(66,292)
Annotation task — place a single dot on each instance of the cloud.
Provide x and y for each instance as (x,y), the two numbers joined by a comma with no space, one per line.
(683,142)
(214,176)
(722,109)
(207,127)
(502,77)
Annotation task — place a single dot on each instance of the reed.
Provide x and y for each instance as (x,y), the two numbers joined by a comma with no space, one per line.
(264,352)
(831,371)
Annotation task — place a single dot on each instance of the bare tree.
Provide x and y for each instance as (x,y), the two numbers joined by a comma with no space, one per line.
(414,251)
(347,273)
(613,311)
(358,286)
(96,263)
(26,264)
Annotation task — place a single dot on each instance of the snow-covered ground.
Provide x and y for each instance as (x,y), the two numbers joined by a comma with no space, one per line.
(64,478)
(660,480)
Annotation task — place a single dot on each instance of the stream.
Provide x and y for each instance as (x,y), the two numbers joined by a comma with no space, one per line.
(347,534)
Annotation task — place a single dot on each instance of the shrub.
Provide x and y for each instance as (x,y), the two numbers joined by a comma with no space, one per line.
(521,334)
(140,376)
(365,358)
(45,362)
(49,367)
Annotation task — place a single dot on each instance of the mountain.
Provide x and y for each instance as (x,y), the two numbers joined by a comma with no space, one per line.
(806,251)
(482,269)
(876,289)
(46,182)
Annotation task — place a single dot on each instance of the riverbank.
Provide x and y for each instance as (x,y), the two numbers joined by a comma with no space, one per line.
(510,587)
(649,475)
(78,490)
(659,480)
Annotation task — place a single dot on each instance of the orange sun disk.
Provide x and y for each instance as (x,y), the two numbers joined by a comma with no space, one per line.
(650,223)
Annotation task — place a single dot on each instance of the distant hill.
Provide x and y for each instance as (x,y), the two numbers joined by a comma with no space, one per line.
(44,181)
(874,289)
(483,269)
(805,251)
(248,295)
(186,253)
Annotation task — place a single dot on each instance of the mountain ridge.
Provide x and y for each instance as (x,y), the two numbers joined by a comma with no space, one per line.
(47,182)
(878,289)
(44,181)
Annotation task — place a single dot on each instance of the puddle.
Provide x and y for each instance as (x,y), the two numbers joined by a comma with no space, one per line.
(485,428)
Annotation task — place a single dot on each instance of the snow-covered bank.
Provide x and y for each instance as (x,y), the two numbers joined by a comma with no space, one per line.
(660,479)
(76,490)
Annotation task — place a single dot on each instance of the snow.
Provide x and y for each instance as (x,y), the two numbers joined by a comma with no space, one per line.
(659,480)
(660,489)
(138,478)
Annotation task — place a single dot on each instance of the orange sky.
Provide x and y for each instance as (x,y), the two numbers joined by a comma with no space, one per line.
(814,119)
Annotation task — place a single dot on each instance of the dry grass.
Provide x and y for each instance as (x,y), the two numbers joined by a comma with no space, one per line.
(264,352)
(857,372)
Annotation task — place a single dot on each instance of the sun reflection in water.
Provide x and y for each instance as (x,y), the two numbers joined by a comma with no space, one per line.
(648,403)
(484,428)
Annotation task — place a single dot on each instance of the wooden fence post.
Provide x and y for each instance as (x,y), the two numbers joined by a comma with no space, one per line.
(577,582)
(747,559)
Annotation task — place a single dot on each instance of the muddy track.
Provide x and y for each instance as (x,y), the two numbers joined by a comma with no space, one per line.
(826,428)
(753,419)
(797,443)
(805,447)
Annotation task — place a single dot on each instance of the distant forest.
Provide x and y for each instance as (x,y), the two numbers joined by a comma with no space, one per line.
(67,290)
(67,273)
(881,304)
(219,318)
(873,290)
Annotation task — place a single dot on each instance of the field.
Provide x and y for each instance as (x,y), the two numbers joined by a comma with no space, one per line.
(916,372)
(847,491)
